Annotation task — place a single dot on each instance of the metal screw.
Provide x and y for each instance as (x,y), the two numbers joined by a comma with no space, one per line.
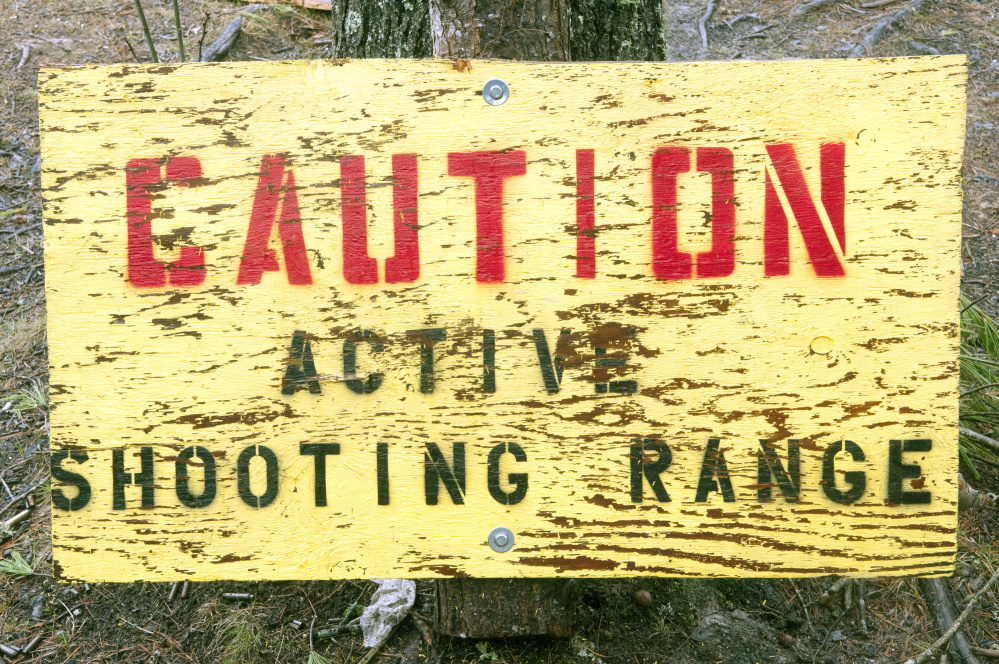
(501,539)
(495,92)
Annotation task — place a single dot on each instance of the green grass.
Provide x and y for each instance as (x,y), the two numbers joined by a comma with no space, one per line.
(979,410)
(15,566)
(242,638)
(316,658)
(32,398)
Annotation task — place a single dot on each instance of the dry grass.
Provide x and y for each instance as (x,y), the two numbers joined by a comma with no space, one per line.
(21,336)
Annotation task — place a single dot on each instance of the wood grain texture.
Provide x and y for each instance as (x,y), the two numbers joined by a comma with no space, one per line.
(867,357)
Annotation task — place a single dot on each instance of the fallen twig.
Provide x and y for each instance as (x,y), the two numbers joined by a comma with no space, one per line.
(984,652)
(879,3)
(17,232)
(703,23)
(939,643)
(812,6)
(942,606)
(882,28)
(994,444)
(145,29)
(25,51)
(49,40)
(21,495)
(222,45)
(926,49)
(758,32)
(978,389)
(9,270)
(742,17)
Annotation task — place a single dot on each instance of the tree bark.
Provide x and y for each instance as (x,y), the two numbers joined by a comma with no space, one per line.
(490,608)
(538,30)
(381,29)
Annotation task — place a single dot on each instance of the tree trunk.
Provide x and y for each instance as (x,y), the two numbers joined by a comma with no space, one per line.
(490,608)
(539,30)
(381,29)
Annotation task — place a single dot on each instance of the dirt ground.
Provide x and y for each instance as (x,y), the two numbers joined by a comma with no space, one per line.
(779,621)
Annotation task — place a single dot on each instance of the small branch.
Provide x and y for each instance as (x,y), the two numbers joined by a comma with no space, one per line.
(222,45)
(882,28)
(994,444)
(979,388)
(926,49)
(942,641)
(703,23)
(879,3)
(201,39)
(145,29)
(23,494)
(180,31)
(10,270)
(24,230)
(25,51)
(812,6)
(49,40)
(978,299)
(984,652)
(129,44)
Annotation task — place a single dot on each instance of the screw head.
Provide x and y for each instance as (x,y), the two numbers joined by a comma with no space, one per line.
(501,539)
(495,92)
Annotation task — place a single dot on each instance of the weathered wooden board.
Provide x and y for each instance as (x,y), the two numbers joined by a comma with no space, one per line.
(312,320)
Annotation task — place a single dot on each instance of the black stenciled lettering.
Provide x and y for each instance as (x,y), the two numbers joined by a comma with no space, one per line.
(182,476)
(119,478)
(519,480)
(301,371)
(857,479)
(381,457)
(619,386)
(551,371)
(898,471)
(82,497)
(714,465)
(243,476)
(435,467)
(427,338)
(374,380)
(651,470)
(768,465)
(489,360)
(319,451)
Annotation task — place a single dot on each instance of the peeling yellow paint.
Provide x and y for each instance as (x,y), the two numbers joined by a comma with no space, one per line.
(868,357)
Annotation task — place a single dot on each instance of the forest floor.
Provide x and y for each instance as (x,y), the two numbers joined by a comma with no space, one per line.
(774,621)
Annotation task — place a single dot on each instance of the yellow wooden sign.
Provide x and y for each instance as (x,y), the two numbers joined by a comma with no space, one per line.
(325,319)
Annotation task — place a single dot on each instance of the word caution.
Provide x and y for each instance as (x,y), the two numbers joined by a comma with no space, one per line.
(276,209)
